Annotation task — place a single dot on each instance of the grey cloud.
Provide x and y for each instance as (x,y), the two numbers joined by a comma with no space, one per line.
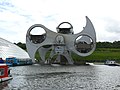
(113,26)
(27,16)
(51,17)
(2,21)
(5,5)
(6,31)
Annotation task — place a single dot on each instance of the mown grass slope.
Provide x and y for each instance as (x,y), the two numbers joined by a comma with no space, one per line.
(100,55)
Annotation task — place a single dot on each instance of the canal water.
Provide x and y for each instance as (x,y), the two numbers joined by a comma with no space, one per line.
(56,77)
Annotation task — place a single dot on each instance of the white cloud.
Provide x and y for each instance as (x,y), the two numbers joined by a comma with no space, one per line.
(16,16)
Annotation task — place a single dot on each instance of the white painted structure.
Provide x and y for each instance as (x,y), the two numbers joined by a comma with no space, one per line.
(8,49)
(61,43)
(110,62)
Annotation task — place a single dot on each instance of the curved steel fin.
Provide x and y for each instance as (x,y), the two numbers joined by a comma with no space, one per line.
(89,29)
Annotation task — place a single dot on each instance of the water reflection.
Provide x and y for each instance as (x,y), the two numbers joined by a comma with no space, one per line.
(37,77)
(3,85)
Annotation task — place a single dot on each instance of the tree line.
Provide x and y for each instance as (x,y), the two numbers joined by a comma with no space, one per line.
(115,44)
(21,45)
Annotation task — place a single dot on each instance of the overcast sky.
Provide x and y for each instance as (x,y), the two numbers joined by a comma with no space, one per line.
(16,16)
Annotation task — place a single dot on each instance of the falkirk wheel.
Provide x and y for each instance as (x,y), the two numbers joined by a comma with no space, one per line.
(61,43)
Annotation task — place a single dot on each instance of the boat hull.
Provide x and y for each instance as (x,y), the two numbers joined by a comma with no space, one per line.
(112,64)
(5,79)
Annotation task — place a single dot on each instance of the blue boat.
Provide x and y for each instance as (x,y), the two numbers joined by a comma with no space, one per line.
(1,60)
(13,61)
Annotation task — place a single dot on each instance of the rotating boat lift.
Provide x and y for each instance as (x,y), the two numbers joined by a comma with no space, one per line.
(61,43)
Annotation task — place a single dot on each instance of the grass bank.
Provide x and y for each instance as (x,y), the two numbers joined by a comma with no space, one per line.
(100,55)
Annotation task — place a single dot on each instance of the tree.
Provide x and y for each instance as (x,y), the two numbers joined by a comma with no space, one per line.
(21,45)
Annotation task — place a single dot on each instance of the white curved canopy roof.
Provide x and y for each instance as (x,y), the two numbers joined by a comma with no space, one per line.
(8,49)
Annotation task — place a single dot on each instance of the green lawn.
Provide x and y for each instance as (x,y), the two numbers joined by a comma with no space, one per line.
(100,55)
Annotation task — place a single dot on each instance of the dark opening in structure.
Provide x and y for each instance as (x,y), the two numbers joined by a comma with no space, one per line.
(37,35)
(84,44)
(65,28)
